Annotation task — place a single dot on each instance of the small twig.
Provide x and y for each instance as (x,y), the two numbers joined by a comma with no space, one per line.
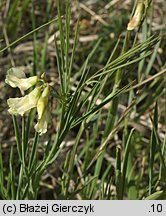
(96,16)
(147,80)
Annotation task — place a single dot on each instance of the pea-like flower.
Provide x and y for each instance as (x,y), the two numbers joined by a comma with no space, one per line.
(43,101)
(43,111)
(42,124)
(19,106)
(37,98)
(16,78)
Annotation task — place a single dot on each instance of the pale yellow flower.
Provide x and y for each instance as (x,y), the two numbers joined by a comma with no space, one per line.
(137,18)
(43,101)
(42,124)
(16,78)
(36,98)
(43,111)
(19,106)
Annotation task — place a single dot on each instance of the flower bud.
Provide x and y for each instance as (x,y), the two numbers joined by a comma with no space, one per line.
(137,18)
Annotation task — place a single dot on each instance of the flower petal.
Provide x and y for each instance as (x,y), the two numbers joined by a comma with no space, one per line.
(23,104)
(42,124)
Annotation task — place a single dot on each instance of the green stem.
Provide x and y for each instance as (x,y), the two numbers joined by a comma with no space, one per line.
(23,145)
(26,35)
(33,153)
(17,134)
